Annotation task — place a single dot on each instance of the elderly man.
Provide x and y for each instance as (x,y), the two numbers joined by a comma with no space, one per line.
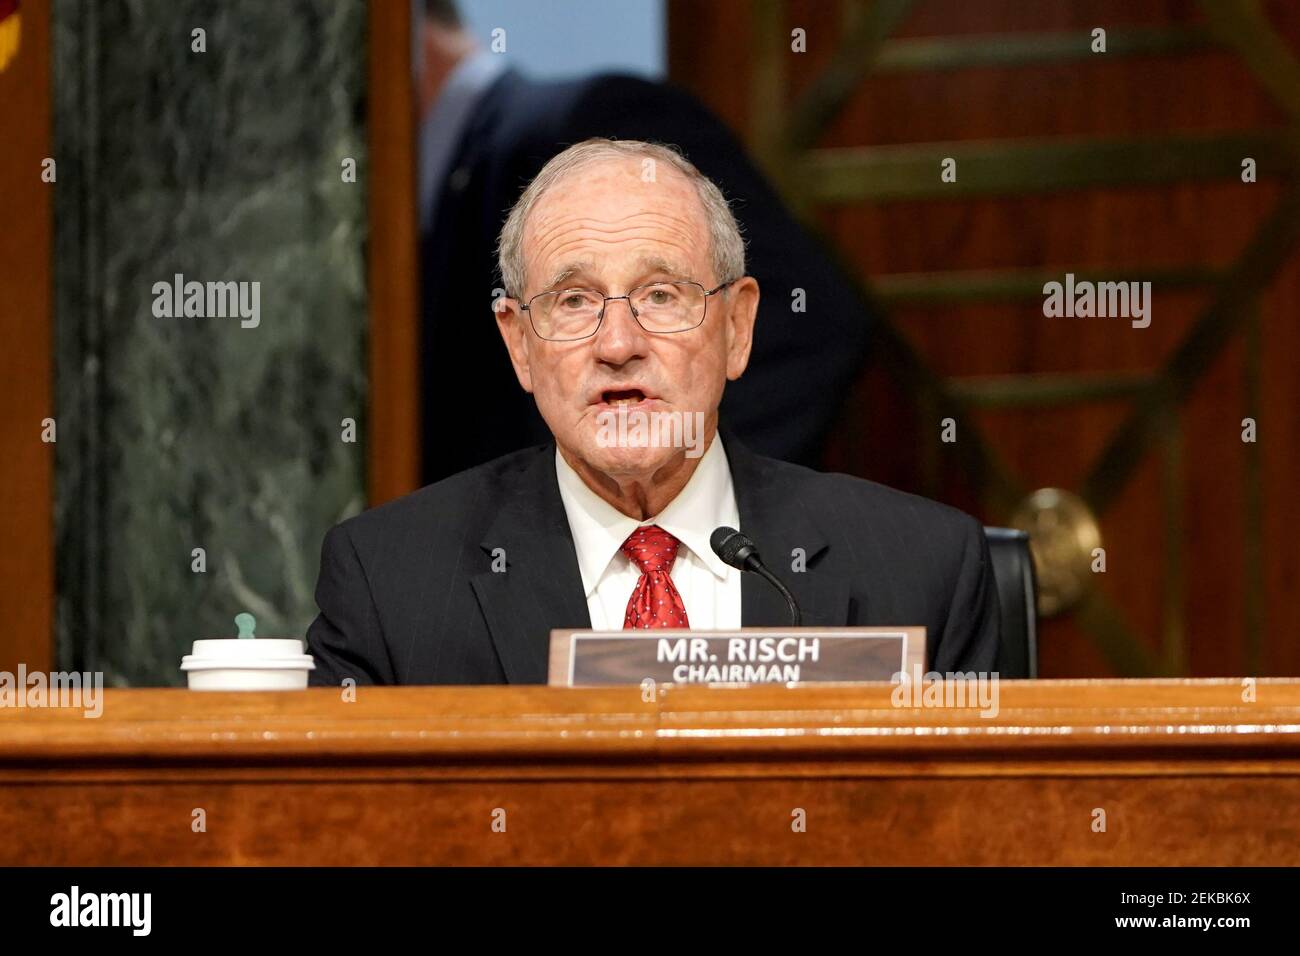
(629,310)
(486,131)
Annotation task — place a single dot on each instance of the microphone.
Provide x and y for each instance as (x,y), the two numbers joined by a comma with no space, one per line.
(740,552)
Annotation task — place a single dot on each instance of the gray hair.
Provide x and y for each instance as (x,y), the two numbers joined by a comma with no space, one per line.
(727,245)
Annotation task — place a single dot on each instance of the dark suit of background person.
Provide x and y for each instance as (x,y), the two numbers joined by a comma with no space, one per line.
(408,595)
(803,364)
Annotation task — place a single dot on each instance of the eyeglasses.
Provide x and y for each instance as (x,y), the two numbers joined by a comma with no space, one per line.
(659,307)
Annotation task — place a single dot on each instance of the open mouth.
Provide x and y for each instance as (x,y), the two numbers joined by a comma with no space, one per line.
(629,396)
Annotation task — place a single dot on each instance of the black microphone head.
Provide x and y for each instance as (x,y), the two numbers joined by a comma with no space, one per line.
(732,547)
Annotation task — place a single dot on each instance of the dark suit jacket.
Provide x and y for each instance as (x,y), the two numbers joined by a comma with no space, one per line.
(407,594)
(802,364)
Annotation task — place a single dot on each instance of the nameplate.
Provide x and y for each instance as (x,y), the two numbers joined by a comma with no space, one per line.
(755,655)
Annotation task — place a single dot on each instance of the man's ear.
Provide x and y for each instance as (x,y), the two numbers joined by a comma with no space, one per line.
(741,301)
(514,329)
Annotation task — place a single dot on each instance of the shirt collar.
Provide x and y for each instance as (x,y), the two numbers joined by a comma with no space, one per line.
(599,529)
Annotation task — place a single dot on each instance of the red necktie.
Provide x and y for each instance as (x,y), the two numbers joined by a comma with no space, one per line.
(655,601)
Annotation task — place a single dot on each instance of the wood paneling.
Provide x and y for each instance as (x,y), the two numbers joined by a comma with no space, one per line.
(1123,229)
(26,359)
(393,442)
(1186,771)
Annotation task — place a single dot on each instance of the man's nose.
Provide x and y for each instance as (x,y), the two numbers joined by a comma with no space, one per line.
(620,337)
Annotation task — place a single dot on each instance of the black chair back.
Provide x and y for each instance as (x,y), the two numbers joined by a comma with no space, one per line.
(1013,570)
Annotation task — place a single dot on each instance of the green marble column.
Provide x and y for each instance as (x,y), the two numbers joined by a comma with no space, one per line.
(177,433)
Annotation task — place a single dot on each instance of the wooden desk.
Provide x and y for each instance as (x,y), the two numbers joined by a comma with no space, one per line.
(1186,772)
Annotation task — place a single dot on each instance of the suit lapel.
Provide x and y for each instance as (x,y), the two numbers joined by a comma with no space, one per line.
(541,586)
(773,515)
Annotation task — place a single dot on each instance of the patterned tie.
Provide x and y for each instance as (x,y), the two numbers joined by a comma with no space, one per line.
(655,601)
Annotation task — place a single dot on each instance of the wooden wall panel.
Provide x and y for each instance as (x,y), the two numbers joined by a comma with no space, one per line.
(26,363)
(393,442)
(1201,223)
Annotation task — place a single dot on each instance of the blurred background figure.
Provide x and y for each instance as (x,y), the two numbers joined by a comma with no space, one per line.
(487,129)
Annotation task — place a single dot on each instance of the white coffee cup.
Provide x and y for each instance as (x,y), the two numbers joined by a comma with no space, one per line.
(248,664)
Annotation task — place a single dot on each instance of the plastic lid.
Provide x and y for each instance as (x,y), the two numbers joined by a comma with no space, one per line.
(300,663)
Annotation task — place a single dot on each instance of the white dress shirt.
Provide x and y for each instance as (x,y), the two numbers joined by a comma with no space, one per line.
(709,588)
